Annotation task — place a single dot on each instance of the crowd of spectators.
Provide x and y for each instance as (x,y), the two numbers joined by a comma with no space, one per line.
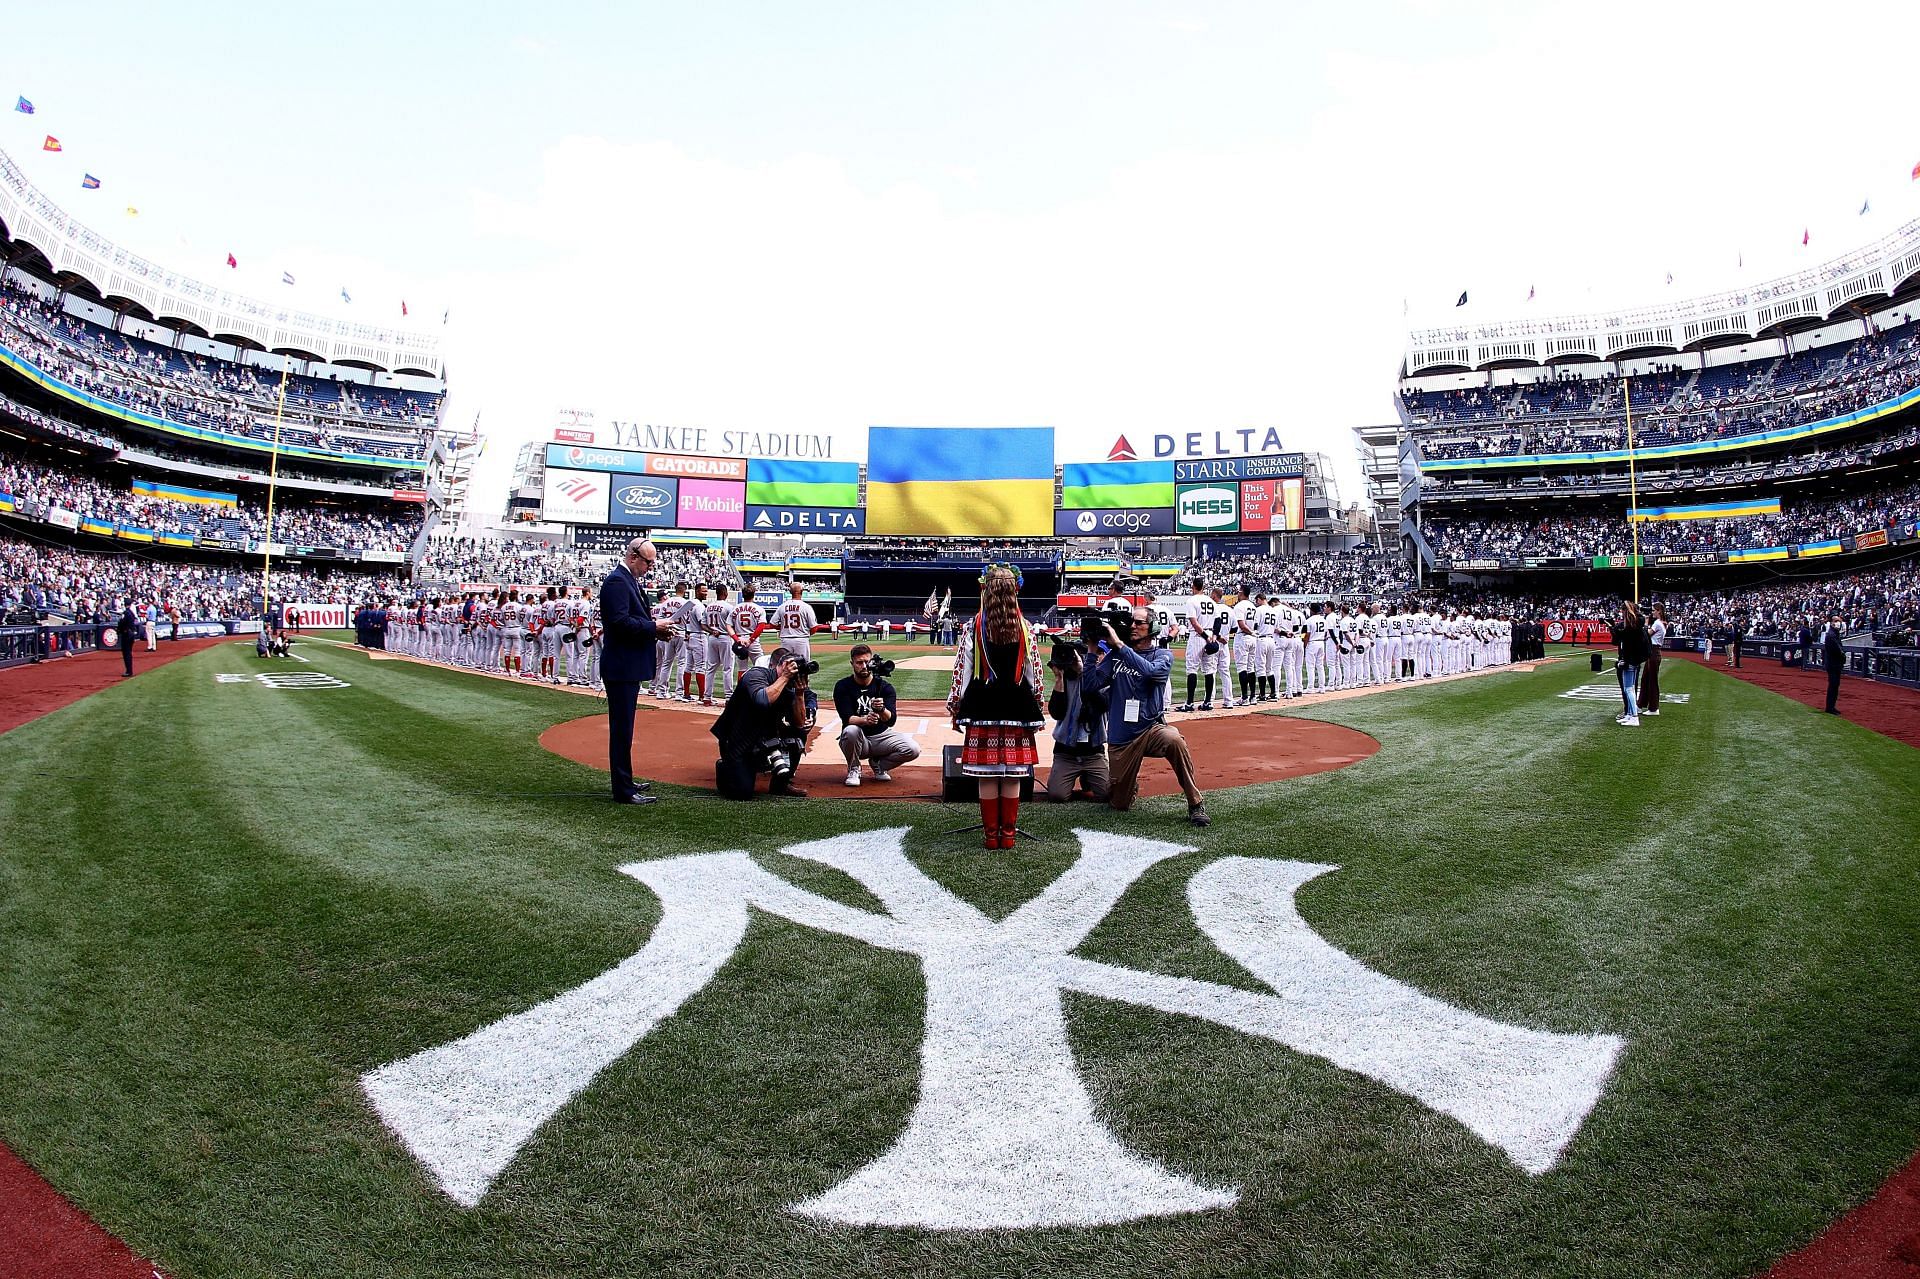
(1670,407)
(1663,477)
(1801,521)
(1362,571)
(60,584)
(38,488)
(211,394)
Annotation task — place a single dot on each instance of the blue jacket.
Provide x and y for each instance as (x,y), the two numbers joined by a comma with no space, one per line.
(1141,677)
(626,622)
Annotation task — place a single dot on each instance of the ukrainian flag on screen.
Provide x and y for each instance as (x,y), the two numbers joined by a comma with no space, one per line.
(1709,510)
(1813,550)
(960,481)
(1106,486)
(174,539)
(780,483)
(133,533)
(1757,553)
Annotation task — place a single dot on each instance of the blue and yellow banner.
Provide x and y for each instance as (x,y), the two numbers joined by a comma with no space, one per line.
(815,564)
(1093,568)
(1109,486)
(1158,570)
(774,482)
(174,539)
(90,525)
(1813,550)
(181,493)
(761,566)
(7,503)
(132,533)
(960,481)
(1708,510)
(1756,553)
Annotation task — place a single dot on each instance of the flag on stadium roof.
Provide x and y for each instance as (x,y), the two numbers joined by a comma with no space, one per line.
(51,144)
(24,107)
(344,295)
(89,183)
(1865,205)
(403,306)
(286,277)
(232,261)
(955,481)
(1916,173)
(1463,298)
(1669,277)
(132,212)
(1529,293)
(1806,238)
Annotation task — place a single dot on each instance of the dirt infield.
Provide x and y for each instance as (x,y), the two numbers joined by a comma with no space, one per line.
(673,744)
(1888,709)
(28,692)
(42,1236)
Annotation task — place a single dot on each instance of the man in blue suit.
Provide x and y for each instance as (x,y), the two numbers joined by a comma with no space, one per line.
(626,660)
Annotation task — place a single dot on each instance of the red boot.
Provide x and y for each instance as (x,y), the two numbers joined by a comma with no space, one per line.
(1009,818)
(990,821)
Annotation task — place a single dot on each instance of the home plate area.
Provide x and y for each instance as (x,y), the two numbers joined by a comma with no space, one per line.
(1605,692)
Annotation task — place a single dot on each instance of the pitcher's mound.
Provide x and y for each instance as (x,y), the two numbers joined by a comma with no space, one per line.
(674,744)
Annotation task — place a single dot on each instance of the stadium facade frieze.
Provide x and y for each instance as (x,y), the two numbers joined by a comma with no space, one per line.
(32,217)
(1876,270)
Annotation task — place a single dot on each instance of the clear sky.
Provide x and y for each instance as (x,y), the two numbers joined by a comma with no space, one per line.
(1103,217)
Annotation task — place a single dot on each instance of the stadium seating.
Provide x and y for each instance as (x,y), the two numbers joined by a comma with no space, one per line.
(198,391)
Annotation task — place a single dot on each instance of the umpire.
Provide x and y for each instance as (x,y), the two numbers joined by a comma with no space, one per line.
(626,660)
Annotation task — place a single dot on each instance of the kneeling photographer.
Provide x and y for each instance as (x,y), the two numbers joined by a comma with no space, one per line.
(1078,707)
(767,725)
(1137,725)
(869,711)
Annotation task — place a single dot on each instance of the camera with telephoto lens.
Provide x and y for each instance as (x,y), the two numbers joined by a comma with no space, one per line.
(806,666)
(883,666)
(1069,656)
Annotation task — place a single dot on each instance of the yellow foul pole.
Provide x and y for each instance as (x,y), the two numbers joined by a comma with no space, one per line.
(273,476)
(1633,488)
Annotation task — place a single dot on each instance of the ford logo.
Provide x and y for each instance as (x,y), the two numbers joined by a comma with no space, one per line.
(644,499)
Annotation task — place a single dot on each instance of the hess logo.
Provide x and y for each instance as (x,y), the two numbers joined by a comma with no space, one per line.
(644,499)
(1209,507)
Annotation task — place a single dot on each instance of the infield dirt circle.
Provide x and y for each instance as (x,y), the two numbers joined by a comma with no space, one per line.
(674,743)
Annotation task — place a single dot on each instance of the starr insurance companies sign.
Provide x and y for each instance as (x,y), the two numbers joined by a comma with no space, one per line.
(987,1147)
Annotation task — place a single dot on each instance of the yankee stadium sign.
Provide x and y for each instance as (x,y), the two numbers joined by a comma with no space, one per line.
(1004,1133)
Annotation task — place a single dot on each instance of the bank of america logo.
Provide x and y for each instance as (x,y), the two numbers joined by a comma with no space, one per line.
(578,490)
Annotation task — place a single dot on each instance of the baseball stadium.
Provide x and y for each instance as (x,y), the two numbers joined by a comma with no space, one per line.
(1520,881)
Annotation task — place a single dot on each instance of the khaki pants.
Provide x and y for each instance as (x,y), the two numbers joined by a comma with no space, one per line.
(1161,741)
(1088,769)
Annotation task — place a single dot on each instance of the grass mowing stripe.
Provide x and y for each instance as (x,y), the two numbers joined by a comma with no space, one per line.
(195,965)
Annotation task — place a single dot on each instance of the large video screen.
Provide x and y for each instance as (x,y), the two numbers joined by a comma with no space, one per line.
(955,481)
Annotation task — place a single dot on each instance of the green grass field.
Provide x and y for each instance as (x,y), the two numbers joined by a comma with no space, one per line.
(222,903)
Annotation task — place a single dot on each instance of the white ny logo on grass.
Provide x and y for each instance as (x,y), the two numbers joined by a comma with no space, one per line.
(1004,1134)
